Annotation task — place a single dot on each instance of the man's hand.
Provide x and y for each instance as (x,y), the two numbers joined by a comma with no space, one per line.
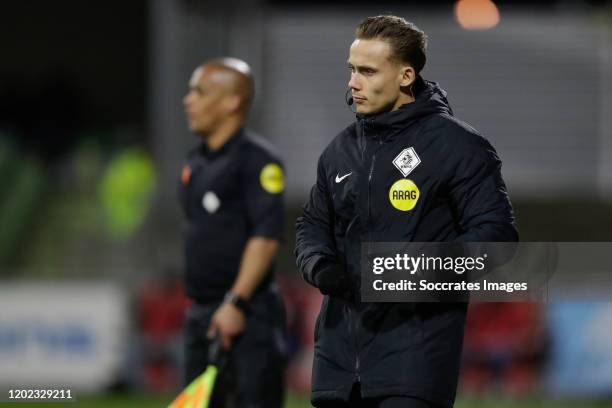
(333,279)
(228,321)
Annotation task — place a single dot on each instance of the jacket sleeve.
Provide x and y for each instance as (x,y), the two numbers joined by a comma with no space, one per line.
(479,198)
(263,195)
(314,229)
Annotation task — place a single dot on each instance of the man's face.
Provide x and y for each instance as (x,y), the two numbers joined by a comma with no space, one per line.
(204,103)
(375,78)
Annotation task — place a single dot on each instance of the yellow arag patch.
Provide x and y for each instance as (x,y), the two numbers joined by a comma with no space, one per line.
(404,195)
(272,179)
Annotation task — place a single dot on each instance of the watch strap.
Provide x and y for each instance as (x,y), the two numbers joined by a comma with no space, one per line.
(236,300)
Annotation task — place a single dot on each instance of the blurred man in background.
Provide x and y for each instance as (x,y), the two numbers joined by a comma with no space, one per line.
(406,171)
(231,193)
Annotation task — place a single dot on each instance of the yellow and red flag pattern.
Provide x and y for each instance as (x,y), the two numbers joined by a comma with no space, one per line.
(198,393)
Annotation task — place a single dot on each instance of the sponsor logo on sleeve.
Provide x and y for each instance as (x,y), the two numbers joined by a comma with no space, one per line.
(272,178)
(185,174)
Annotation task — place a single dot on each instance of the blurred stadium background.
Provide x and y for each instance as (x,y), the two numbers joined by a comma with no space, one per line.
(92,135)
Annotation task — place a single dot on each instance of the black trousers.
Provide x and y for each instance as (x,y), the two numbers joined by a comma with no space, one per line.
(252,374)
(356,401)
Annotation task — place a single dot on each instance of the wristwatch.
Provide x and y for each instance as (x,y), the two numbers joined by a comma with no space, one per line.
(236,300)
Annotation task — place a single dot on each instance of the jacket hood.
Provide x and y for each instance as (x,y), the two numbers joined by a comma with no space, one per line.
(430,99)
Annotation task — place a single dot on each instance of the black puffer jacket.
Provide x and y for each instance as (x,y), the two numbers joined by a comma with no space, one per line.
(452,190)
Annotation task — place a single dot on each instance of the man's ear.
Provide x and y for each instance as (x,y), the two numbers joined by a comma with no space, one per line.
(408,76)
(232,103)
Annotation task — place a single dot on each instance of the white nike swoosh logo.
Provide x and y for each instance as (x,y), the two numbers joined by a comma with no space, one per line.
(339,179)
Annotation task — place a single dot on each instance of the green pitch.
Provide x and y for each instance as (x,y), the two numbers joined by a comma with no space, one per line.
(142,401)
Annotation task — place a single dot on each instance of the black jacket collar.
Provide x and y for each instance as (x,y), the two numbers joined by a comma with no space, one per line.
(430,99)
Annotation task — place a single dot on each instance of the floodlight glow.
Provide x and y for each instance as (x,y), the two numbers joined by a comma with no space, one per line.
(476,14)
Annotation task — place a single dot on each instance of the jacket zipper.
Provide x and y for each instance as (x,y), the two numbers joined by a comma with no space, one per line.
(370,175)
(356,328)
(357,365)
(353,328)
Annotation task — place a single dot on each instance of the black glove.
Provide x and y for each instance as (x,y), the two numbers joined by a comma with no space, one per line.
(333,279)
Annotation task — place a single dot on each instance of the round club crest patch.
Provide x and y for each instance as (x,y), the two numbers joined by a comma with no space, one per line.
(272,179)
(211,202)
(404,194)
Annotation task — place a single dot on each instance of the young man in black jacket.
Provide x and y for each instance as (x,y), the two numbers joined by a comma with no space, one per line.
(406,171)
